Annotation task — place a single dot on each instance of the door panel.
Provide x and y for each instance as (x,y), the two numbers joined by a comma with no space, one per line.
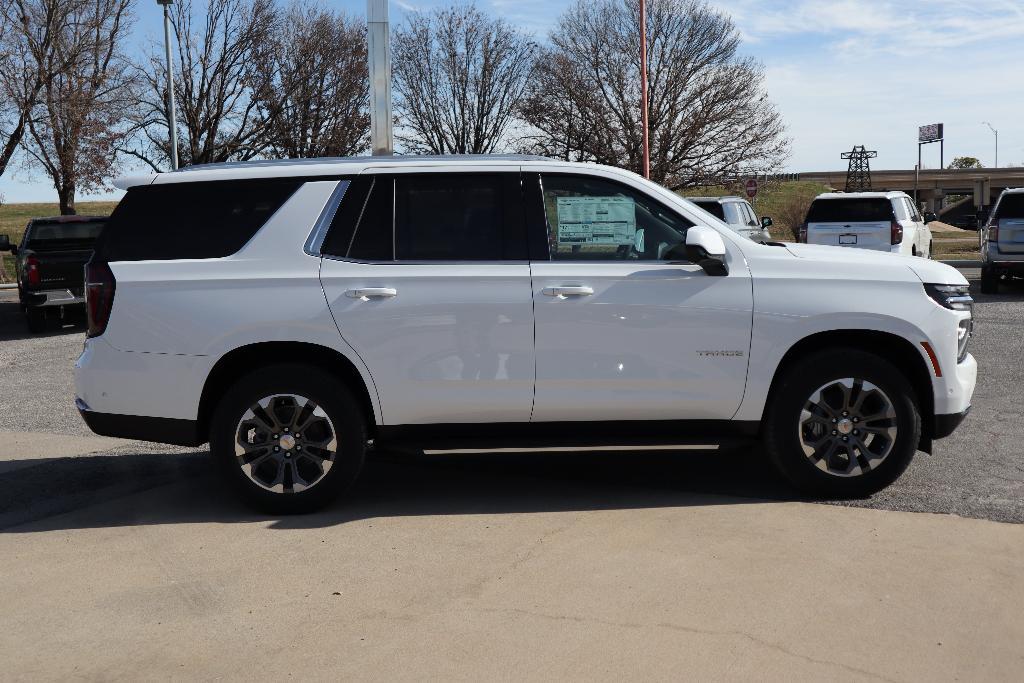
(622,333)
(655,341)
(429,295)
(453,344)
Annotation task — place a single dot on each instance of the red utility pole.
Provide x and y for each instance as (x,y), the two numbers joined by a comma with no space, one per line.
(643,87)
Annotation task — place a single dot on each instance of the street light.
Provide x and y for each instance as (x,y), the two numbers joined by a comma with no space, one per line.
(997,140)
(170,82)
(643,90)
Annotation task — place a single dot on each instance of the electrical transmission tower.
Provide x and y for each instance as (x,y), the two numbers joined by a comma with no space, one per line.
(858,175)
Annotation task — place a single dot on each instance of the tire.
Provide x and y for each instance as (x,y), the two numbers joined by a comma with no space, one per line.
(36,320)
(989,280)
(272,481)
(931,246)
(872,461)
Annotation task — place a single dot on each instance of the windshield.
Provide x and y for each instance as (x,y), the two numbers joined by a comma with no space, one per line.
(712,207)
(48,233)
(850,210)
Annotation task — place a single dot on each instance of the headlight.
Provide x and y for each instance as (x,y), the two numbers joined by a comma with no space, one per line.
(954,297)
(963,336)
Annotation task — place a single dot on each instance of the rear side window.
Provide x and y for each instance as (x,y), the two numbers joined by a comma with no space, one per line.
(850,210)
(190,220)
(430,217)
(449,218)
(1011,206)
(714,208)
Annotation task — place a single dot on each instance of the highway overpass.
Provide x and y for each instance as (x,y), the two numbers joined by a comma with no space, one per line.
(984,184)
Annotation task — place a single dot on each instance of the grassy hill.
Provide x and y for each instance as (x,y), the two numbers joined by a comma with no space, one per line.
(14,217)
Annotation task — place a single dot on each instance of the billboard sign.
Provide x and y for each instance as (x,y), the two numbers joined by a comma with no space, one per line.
(930,133)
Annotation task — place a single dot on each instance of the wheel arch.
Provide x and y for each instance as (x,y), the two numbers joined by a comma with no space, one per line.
(240,360)
(896,349)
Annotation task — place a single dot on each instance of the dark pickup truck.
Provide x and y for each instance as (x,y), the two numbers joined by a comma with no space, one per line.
(50,263)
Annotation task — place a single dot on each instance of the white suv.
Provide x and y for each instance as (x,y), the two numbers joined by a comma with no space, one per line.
(883,221)
(295,313)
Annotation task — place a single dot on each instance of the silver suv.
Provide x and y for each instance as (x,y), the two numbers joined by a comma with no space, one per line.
(738,214)
(1002,241)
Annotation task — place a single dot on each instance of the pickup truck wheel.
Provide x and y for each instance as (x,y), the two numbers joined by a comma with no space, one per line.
(843,423)
(36,319)
(989,280)
(291,438)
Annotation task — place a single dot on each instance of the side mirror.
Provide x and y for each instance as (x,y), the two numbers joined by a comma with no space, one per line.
(705,247)
(929,217)
(5,243)
(766,222)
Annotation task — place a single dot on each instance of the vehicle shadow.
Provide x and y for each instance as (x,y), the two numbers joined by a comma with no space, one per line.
(13,326)
(96,491)
(1009,292)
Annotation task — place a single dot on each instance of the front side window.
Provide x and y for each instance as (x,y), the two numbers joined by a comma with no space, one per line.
(449,217)
(734,214)
(593,219)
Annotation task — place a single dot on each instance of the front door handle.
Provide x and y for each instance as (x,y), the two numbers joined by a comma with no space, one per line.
(367,293)
(573,290)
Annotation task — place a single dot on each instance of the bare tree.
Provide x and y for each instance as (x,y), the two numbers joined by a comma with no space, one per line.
(27,29)
(709,114)
(459,76)
(213,90)
(76,123)
(311,87)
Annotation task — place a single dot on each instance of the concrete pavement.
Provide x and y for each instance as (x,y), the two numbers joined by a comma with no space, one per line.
(178,583)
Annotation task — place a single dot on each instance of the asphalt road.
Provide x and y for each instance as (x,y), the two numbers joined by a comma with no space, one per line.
(977,472)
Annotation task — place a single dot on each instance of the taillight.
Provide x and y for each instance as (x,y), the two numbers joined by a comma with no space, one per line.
(32,276)
(99,296)
(803,234)
(993,230)
(896,233)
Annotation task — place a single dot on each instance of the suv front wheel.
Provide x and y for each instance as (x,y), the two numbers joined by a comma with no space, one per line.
(842,423)
(291,438)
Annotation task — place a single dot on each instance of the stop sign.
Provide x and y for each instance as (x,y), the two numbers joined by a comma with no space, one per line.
(751,188)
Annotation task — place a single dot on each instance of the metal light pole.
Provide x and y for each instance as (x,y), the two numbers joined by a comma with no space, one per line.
(170,82)
(378,52)
(997,140)
(643,88)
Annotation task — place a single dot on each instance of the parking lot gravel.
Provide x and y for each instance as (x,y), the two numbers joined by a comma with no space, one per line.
(977,472)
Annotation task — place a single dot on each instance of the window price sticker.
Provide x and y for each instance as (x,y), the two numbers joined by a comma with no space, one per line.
(596,220)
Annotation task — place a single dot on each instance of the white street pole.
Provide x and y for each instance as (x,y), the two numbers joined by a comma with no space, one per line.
(170,83)
(996,132)
(378,52)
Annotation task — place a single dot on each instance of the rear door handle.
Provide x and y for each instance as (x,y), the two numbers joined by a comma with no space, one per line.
(367,293)
(563,292)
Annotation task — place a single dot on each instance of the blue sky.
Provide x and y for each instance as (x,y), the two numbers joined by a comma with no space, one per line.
(842,72)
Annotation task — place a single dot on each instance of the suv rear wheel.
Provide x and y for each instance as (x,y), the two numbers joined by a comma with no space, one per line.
(842,423)
(291,438)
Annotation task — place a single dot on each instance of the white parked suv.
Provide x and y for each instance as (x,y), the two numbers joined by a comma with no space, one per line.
(883,221)
(294,313)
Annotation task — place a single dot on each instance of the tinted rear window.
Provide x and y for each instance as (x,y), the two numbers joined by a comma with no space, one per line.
(714,208)
(849,210)
(1011,206)
(190,220)
(44,233)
